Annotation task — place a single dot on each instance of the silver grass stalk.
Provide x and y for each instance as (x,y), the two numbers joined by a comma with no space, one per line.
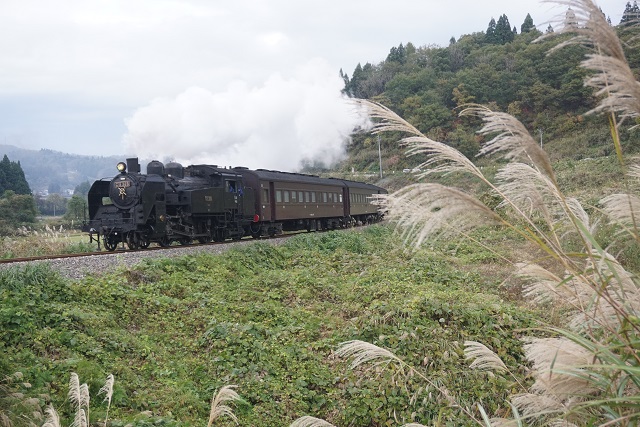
(52,419)
(74,392)
(445,159)
(532,405)
(107,389)
(559,368)
(613,78)
(585,227)
(513,140)
(624,209)
(364,352)
(598,297)
(387,120)
(561,423)
(218,406)
(543,286)
(618,296)
(482,358)
(308,421)
(442,158)
(533,193)
(84,395)
(432,210)
(80,419)
(617,81)
(503,422)
(84,399)
(413,425)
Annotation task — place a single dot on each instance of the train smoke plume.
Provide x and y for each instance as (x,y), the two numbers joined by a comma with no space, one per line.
(277,126)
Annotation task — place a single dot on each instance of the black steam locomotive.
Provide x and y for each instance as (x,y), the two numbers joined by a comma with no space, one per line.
(172,203)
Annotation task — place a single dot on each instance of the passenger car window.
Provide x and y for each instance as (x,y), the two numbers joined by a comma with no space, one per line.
(278,196)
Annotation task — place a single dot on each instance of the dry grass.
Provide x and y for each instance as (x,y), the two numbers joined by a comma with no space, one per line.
(47,241)
(219,408)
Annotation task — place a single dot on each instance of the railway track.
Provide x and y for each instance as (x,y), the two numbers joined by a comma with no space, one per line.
(78,265)
(123,250)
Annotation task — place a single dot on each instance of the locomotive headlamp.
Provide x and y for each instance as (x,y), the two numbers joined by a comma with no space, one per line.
(122,167)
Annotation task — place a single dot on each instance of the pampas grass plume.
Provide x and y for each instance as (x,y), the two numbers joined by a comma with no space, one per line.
(363,352)
(482,358)
(52,420)
(308,421)
(218,407)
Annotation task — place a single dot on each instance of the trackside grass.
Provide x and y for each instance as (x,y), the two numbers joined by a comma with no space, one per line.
(267,319)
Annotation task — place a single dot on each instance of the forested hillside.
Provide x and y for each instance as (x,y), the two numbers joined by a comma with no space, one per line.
(511,69)
(45,169)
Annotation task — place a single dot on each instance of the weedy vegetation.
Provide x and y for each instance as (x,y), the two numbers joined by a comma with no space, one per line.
(266,318)
(47,240)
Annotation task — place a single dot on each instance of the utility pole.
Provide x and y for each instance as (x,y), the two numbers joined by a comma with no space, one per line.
(541,132)
(380,156)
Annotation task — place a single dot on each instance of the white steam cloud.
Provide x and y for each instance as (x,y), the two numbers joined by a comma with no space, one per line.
(275,126)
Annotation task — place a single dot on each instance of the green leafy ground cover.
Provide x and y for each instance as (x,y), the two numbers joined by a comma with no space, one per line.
(268,319)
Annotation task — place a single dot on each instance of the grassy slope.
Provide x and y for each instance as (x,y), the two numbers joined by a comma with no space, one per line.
(268,319)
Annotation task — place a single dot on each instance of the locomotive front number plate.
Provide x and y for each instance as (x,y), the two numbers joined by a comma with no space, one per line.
(122,184)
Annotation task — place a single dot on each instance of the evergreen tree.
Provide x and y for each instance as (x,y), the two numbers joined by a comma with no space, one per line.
(631,14)
(397,54)
(527,25)
(504,33)
(490,35)
(356,80)
(20,186)
(12,177)
(549,29)
(345,90)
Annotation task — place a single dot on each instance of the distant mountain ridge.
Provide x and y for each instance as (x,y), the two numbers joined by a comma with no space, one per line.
(45,167)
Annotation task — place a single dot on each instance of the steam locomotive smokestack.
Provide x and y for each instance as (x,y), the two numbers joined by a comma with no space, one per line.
(133,166)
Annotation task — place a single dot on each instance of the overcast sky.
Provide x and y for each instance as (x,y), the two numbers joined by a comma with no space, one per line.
(228,82)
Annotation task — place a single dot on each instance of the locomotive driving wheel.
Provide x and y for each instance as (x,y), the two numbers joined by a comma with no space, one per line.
(110,243)
(133,241)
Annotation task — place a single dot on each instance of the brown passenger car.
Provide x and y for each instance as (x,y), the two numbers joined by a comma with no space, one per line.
(291,201)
